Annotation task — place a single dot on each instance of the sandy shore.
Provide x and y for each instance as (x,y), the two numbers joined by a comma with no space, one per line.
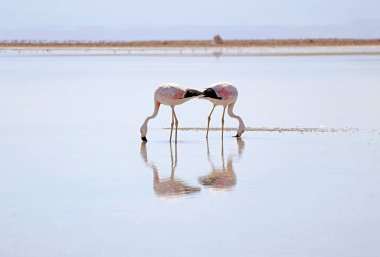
(198,47)
(188,44)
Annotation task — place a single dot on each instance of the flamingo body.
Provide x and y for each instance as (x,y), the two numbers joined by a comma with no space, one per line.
(225,94)
(170,94)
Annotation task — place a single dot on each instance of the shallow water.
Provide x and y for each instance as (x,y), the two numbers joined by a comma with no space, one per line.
(199,52)
(77,181)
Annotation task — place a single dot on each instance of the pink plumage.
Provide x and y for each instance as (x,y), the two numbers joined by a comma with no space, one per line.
(225,94)
(170,94)
(226,91)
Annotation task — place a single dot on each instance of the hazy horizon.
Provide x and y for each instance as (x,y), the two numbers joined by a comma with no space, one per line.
(368,29)
(151,20)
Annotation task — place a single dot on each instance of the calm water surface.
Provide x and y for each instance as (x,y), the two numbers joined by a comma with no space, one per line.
(76,180)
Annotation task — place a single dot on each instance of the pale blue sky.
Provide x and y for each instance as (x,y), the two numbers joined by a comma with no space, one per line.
(18,14)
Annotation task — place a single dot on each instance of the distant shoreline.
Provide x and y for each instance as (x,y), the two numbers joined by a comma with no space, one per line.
(242,48)
(185,44)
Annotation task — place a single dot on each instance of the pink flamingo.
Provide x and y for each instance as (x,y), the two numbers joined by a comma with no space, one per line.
(170,94)
(223,93)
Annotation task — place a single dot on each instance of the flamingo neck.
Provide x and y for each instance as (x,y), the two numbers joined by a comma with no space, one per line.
(144,126)
(155,112)
(233,115)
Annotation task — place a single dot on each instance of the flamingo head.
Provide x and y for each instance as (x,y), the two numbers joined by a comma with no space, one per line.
(240,130)
(143,131)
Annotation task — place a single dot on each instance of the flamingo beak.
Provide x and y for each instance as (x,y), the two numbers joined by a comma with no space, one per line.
(144,139)
(239,134)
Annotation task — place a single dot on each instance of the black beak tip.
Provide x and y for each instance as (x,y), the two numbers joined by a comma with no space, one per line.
(144,139)
(237,135)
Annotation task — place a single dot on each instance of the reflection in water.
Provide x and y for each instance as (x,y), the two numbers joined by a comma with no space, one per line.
(222,178)
(168,187)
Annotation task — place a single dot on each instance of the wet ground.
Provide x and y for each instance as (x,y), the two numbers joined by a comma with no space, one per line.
(76,180)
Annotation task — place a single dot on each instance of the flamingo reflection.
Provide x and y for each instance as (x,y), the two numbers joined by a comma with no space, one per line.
(222,178)
(168,187)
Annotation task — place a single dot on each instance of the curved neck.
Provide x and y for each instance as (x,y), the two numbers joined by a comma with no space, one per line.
(233,115)
(154,114)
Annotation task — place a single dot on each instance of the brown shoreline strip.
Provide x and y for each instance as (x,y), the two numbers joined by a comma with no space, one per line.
(189,43)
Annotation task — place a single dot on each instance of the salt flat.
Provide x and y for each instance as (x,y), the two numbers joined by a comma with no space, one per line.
(76,180)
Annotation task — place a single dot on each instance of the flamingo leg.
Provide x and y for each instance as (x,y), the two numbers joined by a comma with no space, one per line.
(171,126)
(176,124)
(209,119)
(224,110)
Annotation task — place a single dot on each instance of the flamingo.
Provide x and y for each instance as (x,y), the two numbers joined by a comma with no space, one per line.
(170,94)
(225,94)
